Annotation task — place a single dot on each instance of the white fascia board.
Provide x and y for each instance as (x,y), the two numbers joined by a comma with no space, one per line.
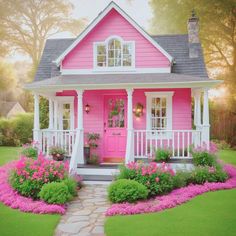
(98,19)
(190,84)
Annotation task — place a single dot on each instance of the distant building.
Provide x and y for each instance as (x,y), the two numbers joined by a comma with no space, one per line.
(10,109)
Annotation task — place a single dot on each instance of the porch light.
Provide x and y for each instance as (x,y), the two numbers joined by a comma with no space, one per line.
(138,110)
(87,108)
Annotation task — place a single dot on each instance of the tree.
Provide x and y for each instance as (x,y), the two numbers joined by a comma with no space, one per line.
(217,28)
(29,23)
(7,77)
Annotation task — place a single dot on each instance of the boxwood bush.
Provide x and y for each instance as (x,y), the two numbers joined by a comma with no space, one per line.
(55,193)
(162,154)
(125,190)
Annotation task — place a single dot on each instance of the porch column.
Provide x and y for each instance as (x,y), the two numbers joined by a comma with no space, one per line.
(50,125)
(77,156)
(206,124)
(197,108)
(129,156)
(55,114)
(36,118)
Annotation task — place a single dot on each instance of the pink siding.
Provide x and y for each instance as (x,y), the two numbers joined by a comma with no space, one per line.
(94,121)
(147,56)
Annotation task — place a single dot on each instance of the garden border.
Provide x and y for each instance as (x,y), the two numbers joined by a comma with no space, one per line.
(175,198)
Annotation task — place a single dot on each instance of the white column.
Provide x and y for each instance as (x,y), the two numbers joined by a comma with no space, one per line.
(129,156)
(36,118)
(55,115)
(77,156)
(206,124)
(197,108)
(50,125)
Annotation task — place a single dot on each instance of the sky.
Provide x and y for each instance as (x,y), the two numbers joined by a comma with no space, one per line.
(139,10)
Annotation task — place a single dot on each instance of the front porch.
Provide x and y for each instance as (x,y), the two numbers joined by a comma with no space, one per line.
(133,137)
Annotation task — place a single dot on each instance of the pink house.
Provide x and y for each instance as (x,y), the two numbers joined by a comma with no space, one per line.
(133,89)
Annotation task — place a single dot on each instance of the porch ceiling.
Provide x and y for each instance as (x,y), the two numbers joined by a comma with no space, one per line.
(107,81)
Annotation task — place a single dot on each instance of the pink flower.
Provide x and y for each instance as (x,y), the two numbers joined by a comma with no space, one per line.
(211,169)
(157,179)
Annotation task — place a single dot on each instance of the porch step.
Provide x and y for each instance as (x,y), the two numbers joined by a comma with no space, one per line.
(101,173)
(98,178)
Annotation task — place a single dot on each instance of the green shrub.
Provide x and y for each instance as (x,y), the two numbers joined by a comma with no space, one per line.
(181,179)
(204,158)
(202,174)
(30,175)
(17,130)
(30,151)
(55,193)
(23,126)
(126,191)
(158,179)
(162,154)
(71,185)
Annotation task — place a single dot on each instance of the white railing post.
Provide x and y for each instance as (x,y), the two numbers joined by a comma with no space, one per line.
(206,124)
(77,156)
(36,118)
(129,155)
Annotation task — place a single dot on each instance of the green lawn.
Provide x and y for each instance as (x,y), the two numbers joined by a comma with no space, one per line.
(228,156)
(212,213)
(8,154)
(14,222)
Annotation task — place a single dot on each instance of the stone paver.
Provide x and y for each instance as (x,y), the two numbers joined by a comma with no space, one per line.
(86,214)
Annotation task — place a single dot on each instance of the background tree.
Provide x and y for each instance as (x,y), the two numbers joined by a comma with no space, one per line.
(30,22)
(218,37)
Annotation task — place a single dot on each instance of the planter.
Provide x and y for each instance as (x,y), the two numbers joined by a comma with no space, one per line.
(58,157)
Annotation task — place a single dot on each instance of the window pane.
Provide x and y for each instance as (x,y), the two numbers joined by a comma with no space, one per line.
(163,102)
(127,60)
(101,61)
(127,48)
(101,49)
(66,124)
(163,112)
(111,62)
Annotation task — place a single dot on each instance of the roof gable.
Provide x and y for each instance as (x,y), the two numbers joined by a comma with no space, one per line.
(109,8)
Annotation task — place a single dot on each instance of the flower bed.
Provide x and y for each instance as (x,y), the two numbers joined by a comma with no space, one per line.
(25,181)
(176,197)
(10,197)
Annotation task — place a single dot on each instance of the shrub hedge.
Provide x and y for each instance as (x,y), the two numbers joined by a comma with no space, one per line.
(17,130)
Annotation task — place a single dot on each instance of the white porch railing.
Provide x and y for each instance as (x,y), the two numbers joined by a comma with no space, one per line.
(146,142)
(62,138)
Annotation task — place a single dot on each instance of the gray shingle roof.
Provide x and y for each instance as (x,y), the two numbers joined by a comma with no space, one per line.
(175,45)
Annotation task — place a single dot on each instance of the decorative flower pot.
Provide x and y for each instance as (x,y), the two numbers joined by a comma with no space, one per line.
(58,157)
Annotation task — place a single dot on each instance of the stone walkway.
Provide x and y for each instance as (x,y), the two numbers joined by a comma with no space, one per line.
(86,214)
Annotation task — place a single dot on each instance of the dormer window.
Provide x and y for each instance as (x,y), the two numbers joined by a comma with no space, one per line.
(114,53)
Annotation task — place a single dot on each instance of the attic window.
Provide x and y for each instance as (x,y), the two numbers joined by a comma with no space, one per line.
(114,53)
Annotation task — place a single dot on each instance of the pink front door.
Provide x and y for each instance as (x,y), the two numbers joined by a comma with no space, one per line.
(114,126)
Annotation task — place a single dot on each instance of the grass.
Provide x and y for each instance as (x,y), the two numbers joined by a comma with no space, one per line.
(8,154)
(228,156)
(209,214)
(14,222)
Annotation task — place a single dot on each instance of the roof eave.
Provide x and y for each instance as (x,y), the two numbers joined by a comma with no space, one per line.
(184,84)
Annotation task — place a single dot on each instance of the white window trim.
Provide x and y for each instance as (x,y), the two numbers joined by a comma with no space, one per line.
(168,96)
(115,68)
(66,100)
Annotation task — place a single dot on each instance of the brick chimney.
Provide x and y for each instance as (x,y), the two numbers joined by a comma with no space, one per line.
(193,36)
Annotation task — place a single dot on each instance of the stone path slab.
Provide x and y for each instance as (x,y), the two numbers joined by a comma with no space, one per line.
(86,213)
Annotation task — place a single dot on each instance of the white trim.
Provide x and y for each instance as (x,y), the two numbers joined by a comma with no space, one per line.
(115,70)
(60,111)
(190,84)
(111,6)
(169,107)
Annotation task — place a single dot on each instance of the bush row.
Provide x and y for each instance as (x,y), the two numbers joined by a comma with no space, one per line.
(158,180)
(17,130)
